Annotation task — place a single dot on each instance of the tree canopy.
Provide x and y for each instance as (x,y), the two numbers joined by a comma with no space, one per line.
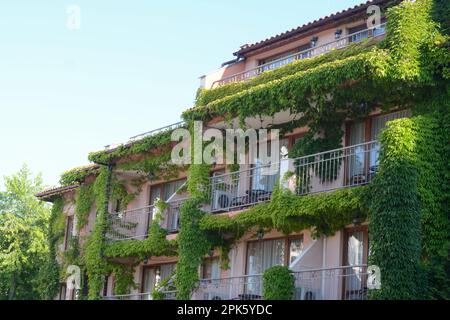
(23,228)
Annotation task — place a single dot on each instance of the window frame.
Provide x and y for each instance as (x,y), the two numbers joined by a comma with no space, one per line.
(287,241)
(162,186)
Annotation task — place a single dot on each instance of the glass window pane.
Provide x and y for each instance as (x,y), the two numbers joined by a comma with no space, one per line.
(149,279)
(355,248)
(356,158)
(166,270)
(171,188)
(262,255)
(295,249)
(155,194)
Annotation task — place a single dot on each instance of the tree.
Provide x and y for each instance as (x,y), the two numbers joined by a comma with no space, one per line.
(23,228)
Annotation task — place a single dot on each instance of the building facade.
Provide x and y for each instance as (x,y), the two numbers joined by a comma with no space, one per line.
(331,87)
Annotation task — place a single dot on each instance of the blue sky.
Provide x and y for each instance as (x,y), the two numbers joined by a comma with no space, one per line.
(132,67)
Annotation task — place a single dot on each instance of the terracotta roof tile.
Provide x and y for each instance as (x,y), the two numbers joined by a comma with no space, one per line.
(53,191)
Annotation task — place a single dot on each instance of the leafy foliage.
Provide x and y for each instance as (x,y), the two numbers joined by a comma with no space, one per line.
(192,245)
(83,203)
(278,283)
(287,212)
(206,96)
(97,267)
(77,175)
(155,245)
(408,194)
(23,246)
(141,146)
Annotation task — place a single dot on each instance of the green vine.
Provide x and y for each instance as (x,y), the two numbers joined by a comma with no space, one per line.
(83,203)
(97,267)
(326,213)
(77,175)
(49,275)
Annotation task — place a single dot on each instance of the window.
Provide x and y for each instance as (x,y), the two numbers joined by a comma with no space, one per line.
(362,163)
(378,31)
(355,256)
(151,275)
(211,269)
(69,232)
(264,254)
(295,249)
(262,180)
(105,286)
(305,52)
(378,123)
(165,191)
(356,158)
(358,33)
(261,255)
(277,61)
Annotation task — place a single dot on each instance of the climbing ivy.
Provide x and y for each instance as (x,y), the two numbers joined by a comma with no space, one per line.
(83,203)
(278,283)
(192,245)
(206,96)
(326,213)
(49,275)
(123,278)
(149,143)
(408,194)
(155,244)
(96,264)
(77,175)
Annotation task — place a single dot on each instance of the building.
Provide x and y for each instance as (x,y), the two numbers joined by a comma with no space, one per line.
(331,86)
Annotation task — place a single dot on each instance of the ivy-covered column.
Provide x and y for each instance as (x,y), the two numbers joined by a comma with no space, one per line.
(394,228)
(96,264)
(193,244)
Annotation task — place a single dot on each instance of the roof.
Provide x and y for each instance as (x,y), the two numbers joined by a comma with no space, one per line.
(344,14)
(54,191)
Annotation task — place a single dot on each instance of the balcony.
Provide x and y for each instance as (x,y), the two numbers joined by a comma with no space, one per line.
(340,43)
(326,171)
(168,295)
(341,283)
(130,224)
(134,224)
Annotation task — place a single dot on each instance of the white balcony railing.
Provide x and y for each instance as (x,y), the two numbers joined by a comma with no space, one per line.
(341,43)
(326,171)
(130,224)
(154,132)
(341,283)
(168,295)
(134,224)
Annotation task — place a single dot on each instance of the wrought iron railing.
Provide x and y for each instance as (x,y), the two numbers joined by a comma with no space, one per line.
(148,134)
(156,131)
(134,224)
(172,215)
(130,225)
(340,283)
(167,295)
(345,167)
(340,43)
(326,171)
(242,188)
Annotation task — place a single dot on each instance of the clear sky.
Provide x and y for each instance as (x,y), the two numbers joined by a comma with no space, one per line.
(132,67)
